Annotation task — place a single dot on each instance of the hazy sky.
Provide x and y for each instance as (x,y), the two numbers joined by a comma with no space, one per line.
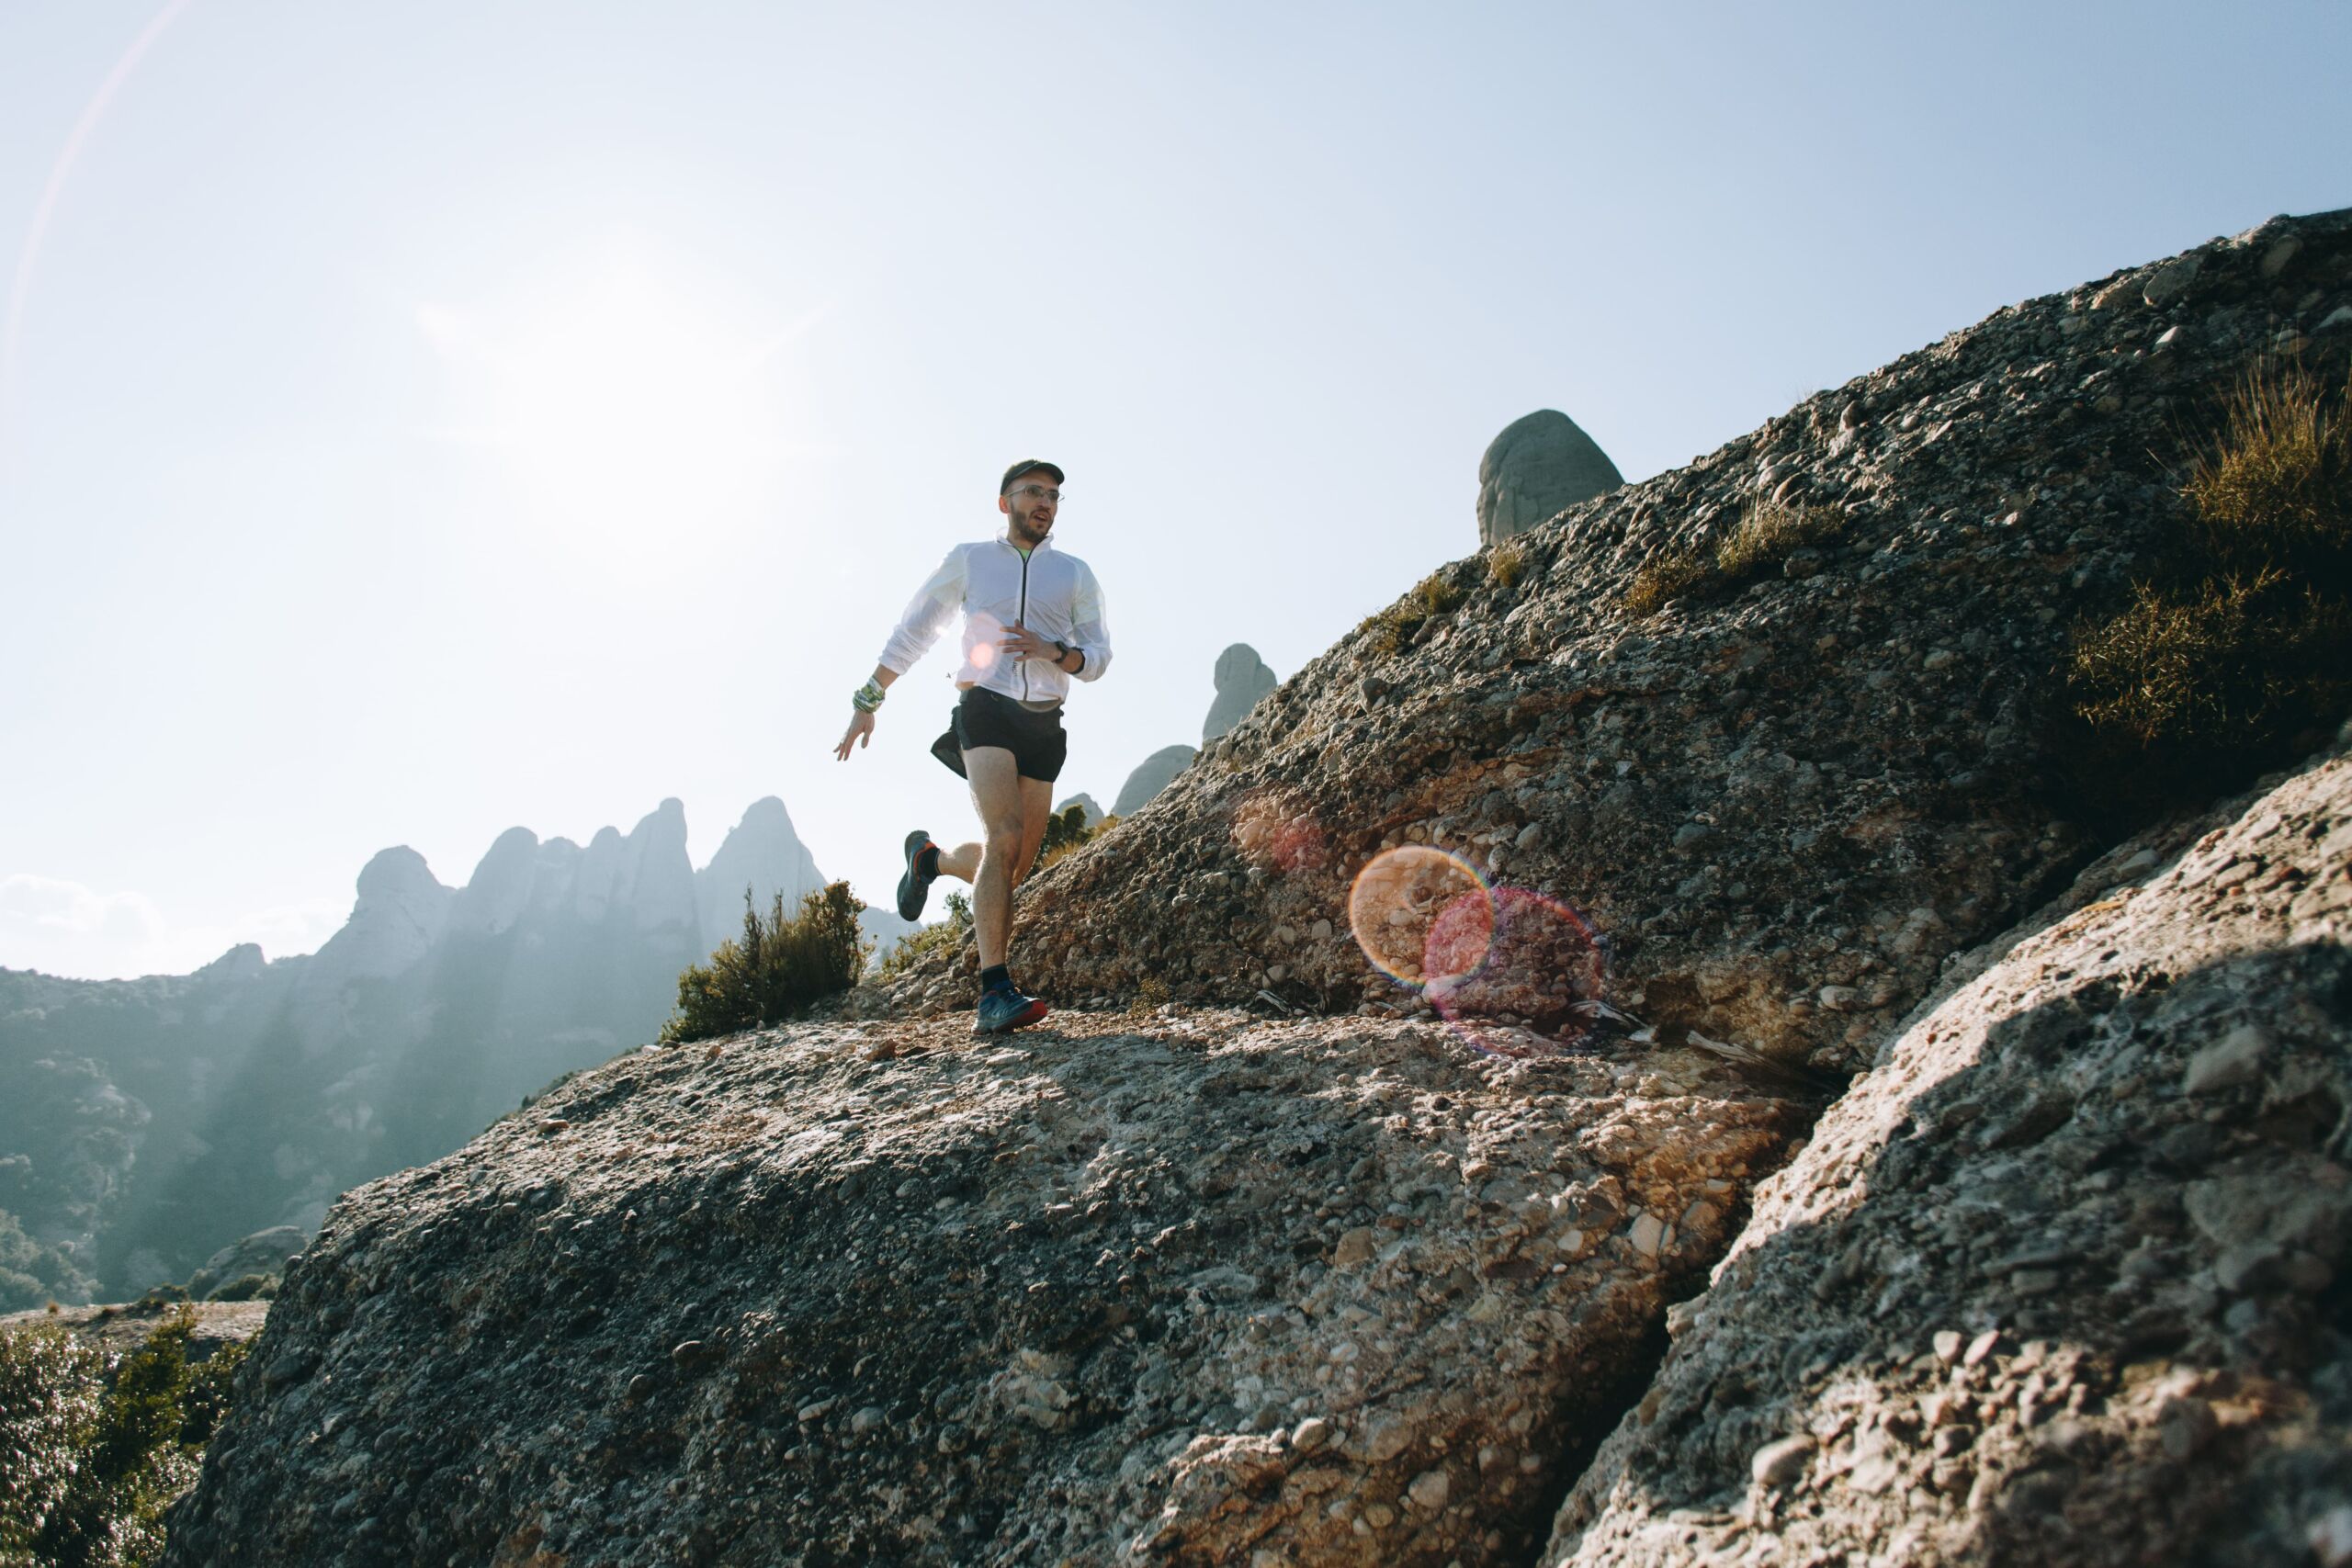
(418,420)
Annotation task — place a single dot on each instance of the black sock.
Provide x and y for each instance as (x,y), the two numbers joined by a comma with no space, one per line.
(927,860)
(996,975)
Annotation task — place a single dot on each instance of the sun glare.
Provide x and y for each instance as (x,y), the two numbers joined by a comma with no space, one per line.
(620,397)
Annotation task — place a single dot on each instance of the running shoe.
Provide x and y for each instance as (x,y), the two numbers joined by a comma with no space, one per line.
(915,886)
(1004,1008)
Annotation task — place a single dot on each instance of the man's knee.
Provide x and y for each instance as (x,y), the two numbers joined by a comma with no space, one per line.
(1002,842)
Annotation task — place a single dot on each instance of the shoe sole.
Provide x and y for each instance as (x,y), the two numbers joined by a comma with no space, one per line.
(914,890)
(1033,1014)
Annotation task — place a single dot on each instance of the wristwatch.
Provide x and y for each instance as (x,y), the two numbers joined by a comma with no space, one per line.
(1061,650)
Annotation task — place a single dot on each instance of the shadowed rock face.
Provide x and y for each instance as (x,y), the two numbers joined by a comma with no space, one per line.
(1781,804)
(1170,1290)
(1539,467)
(2058,1282)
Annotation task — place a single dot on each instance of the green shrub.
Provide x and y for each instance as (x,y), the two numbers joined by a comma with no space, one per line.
(248,1288)
(51,1385)
(32,1273)
(940,937)
(2237,649)
(91,1454)
(1068,833)
(776,968)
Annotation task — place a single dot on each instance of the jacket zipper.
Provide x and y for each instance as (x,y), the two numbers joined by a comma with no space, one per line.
(1021,618)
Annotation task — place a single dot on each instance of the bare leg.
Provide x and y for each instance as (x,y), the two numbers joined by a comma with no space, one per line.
(996,792)
(963,862)
(1037,811)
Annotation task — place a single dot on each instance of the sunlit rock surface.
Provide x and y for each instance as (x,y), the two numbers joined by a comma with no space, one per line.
(1781,806)
(2060,1282)
(1171,1289)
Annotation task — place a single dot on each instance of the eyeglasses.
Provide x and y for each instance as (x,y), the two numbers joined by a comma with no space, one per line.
(1038,492)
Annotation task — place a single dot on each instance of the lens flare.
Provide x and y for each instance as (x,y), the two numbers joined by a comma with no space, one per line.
(1399,896)
(1509,969)
(1536,960)
(1279,831)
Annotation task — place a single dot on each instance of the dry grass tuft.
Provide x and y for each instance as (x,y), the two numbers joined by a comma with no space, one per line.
(1393,628)
(1772,531)
(1666,575)
(1768,533)
(2275,490)
(1507,565)
(2238,649)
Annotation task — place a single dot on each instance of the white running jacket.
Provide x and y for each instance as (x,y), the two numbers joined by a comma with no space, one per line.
(1051,593)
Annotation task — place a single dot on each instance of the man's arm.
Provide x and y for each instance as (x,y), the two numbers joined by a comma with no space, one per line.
(1089,628)
(861,723)
(927,615)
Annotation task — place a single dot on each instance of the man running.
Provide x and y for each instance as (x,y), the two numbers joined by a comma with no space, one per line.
(1033,618)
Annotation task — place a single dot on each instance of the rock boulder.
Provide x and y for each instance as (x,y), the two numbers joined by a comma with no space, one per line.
(1539,467)
(2060,1282)
(1781,797)
(1191,1290)
(1242,681)
(1150,776)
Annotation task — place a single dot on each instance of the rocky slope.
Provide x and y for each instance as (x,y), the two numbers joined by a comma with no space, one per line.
(1783,802)
(2061,1280)
(1619,890)
(1183,1289)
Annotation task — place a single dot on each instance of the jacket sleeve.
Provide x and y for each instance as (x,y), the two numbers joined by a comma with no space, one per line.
(1091,624)
(927,613)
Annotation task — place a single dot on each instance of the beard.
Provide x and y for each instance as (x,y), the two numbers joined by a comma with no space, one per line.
(1029,531)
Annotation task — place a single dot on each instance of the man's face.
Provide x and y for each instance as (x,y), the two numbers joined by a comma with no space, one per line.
(1029,507)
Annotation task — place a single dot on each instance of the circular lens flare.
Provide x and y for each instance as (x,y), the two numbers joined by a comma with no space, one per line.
(1403,894)
(1510,970)
(1537,960)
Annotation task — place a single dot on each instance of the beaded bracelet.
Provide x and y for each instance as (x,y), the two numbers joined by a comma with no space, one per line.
(866,698)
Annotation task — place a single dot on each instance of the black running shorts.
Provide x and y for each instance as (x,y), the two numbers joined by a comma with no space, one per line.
(982,718)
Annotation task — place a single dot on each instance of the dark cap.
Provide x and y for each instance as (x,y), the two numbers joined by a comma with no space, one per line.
(1024,467)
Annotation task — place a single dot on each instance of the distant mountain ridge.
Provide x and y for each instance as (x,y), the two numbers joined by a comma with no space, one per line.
(146,1123)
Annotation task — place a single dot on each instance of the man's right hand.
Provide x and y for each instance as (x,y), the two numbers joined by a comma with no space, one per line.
(859,733)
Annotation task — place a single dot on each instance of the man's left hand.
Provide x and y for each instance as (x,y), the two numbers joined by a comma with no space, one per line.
(1020,640)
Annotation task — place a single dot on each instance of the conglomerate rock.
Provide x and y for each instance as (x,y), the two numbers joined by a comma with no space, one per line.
(2062,1281)
(1189,1289)
(1539,466)
(1781,804)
